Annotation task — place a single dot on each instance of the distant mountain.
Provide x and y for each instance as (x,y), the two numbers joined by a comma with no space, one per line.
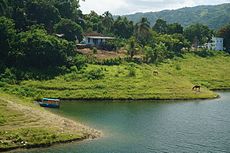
(213,16)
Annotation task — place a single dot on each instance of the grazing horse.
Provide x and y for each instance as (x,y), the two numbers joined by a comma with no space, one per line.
(196,88)
(155,72)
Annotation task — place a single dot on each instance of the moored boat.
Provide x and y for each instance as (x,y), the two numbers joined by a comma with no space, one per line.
(50,102)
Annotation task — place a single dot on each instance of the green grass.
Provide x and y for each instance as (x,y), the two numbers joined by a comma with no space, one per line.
(21,129)
(30,137)
(172,79)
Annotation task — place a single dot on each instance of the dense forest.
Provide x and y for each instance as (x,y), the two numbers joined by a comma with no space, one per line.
(214,16)
(30,44)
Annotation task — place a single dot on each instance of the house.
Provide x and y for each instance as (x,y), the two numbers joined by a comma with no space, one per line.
(95,39)
(216,43)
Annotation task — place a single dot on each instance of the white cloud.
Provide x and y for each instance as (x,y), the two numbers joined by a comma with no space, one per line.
(119,7)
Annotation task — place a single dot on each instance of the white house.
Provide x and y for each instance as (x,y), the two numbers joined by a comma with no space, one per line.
(216,44)
(95,39)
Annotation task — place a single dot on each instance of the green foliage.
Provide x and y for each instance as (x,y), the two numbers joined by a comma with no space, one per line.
(4,8)
(93,22)
(95,74)
(36,49)
(175,28)
(112,61)
(142,31)
(70,29)
(123,28)
(94,50)
(79,61)
(8,76)
(224,32)
(174,43)
(132,47)
(67,8)
(131,70)
(8,32)
(160,26)
(198,34)
(157,54)
(107,21)
(205,53)
(48,14)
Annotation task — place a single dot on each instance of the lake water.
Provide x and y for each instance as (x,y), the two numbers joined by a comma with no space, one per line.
(151,126)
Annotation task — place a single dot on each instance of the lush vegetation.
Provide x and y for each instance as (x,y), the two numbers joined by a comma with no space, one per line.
(39,58)
(213,16)
(172,79)
(23,126)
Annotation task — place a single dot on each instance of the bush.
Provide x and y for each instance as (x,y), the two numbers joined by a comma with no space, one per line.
(131,70)
(95,74)
(94,50)
(205,53)
(113,61)
(70,30)
(178,67)
(8,76)
(79,61)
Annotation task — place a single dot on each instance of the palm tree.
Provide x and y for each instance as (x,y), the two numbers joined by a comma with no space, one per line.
(142,30)
(107,21)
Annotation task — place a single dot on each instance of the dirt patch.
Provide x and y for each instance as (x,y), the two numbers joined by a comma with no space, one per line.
(102,54)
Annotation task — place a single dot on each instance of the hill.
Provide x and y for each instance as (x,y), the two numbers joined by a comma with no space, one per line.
(172,79)
(213,16)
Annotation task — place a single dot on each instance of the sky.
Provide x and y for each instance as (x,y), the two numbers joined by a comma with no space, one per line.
(121,7)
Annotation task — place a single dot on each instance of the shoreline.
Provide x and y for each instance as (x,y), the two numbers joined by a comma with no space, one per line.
(138,99)
(88,133)
(63,125)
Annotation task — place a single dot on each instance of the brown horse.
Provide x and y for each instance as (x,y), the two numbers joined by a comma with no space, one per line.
(196,88)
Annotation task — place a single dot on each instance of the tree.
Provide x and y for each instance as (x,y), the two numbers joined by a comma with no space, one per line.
(160,26)
(174,43)
(70,29)
(4,8)
(224,32)
(94,22)
(7,32)
(123,28)
(198,34)
(36,49)
(142,31)
(40,12)
(156,54)
(132,47)
(174,28)
(68,9)
(107,21)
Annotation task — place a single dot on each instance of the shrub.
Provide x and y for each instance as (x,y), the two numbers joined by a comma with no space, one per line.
(131,70)
(205,53)
(112,61)
(178,67)
(95,74)
(8,76)
(94,50)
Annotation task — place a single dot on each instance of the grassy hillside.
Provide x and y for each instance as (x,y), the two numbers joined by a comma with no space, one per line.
(214,16)
(25,125)
(173,79)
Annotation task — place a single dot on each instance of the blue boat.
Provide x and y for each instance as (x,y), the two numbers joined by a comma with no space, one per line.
(50,102)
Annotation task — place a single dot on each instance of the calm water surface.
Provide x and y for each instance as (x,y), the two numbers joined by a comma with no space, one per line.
(152,126)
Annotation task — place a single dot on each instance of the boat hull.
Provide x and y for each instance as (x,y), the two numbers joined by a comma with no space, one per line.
(49,105)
